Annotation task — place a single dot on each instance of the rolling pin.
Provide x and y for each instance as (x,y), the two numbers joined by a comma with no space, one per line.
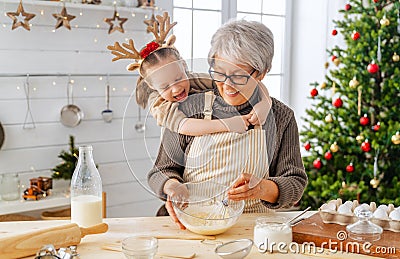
(21,245)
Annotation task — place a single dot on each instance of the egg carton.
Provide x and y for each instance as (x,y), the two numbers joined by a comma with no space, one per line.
(335,211)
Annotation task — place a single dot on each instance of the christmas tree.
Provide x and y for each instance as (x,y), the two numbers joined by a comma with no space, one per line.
(351,131)
(67,167)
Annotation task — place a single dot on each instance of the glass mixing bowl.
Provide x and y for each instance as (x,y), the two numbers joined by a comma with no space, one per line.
(203,207)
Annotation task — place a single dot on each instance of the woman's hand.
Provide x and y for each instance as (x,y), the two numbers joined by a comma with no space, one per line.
(175,191)
(248,186)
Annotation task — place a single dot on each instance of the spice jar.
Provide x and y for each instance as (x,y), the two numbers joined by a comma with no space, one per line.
(9,187)
(272,234)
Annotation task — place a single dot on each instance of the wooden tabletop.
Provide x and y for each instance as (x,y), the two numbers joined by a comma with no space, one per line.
(93,246)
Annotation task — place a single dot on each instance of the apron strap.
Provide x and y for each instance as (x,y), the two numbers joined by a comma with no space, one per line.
(257,127)
(209,98)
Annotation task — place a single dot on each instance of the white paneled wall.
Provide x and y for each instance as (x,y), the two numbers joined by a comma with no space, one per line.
(33,152)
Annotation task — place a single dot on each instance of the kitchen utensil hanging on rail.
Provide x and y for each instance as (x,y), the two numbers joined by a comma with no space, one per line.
(28,115)
(71,115)
(107,114)
(140,126)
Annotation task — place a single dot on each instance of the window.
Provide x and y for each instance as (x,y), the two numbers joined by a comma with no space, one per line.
(199,19)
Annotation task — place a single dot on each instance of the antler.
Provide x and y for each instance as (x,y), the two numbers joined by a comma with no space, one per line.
(165,26)
(128,51)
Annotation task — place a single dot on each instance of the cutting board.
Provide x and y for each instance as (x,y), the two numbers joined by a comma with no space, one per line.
(314,230)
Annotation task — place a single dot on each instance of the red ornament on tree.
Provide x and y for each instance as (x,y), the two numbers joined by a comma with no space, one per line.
(317,163)
(350,168)
(333,58)
(314,92)
(366,146)
(373,68)
(328,155)
(307,146)
(347,7)
(364,120)
(334,32)
(355,35)
(376,127)
(376,1)
(338,103)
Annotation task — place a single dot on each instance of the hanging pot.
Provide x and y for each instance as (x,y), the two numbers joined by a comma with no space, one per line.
(71,115)
(1,135)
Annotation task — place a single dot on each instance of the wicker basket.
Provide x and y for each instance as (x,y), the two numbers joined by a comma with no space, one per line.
(16,217)
(63,214)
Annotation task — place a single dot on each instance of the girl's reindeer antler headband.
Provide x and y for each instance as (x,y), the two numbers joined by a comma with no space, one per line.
(160,31)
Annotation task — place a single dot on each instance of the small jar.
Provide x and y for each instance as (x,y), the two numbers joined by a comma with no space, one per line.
(272,234)
(10,187)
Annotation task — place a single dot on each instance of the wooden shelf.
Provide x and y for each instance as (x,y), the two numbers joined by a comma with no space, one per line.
(56,199)
(104,7)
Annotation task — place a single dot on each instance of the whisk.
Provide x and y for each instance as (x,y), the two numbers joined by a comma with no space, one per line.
(219,211)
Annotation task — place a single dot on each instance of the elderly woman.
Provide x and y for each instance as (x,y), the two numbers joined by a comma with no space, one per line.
(263,166)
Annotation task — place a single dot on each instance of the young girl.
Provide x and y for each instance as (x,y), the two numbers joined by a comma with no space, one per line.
(164,82)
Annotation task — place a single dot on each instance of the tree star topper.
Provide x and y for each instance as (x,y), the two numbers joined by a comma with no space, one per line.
(18,15)
(63,18)
(115,23)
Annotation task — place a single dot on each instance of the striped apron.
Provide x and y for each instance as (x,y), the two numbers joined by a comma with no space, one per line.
(222,157)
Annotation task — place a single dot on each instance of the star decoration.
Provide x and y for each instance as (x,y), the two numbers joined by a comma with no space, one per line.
(150,22)
(19,15)
(115,23)
(63,19)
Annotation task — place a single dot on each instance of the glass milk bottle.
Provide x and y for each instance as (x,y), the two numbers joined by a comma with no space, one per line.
(86,191)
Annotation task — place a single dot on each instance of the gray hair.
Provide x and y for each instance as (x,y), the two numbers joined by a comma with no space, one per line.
(247,42)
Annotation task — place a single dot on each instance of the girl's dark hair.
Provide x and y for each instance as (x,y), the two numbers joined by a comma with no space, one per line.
(142,89)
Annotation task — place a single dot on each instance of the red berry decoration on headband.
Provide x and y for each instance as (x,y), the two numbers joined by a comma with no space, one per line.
(314,92)
(334,32)
(328,155)
(338,103)
(347,7)
(317,163)
(366,146)
(150,47)
(350,168)
(364,120)
(307,146)
(355,35)
(373,68)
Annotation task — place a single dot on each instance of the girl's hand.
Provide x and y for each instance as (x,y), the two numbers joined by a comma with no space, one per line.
(238,124)
(175,191)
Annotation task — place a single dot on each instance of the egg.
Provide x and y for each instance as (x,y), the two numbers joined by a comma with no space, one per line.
(348,203)
(380,213)
(361,207)
(328,207)
(395,215)
(384,207)
(344,209)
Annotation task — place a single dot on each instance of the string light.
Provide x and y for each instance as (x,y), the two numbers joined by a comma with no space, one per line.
(42,12)
(114,89)
(18,88)
(54,82)
(34,89)
(98,26)
(95,40)
(100,78)
(84,88)
(133,14)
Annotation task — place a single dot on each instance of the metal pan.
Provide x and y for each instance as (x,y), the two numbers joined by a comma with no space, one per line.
(71,115)
(1,135)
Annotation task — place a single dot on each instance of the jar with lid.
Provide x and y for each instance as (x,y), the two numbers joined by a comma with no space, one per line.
(10,187)
(86,190)
(272,234)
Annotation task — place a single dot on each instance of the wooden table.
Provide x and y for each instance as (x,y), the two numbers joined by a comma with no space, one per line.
(120,228)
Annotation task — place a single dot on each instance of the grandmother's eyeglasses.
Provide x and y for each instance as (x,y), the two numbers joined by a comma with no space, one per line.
(235,79)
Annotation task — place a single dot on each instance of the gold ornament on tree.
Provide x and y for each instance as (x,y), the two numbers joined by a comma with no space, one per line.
(395,57)
(115,22)
(63,18)
(360,138)
(396,138)
(353,83)
(322,85)
(336,62)
(20,15)
(329,118)
(334,147)
(384,21)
